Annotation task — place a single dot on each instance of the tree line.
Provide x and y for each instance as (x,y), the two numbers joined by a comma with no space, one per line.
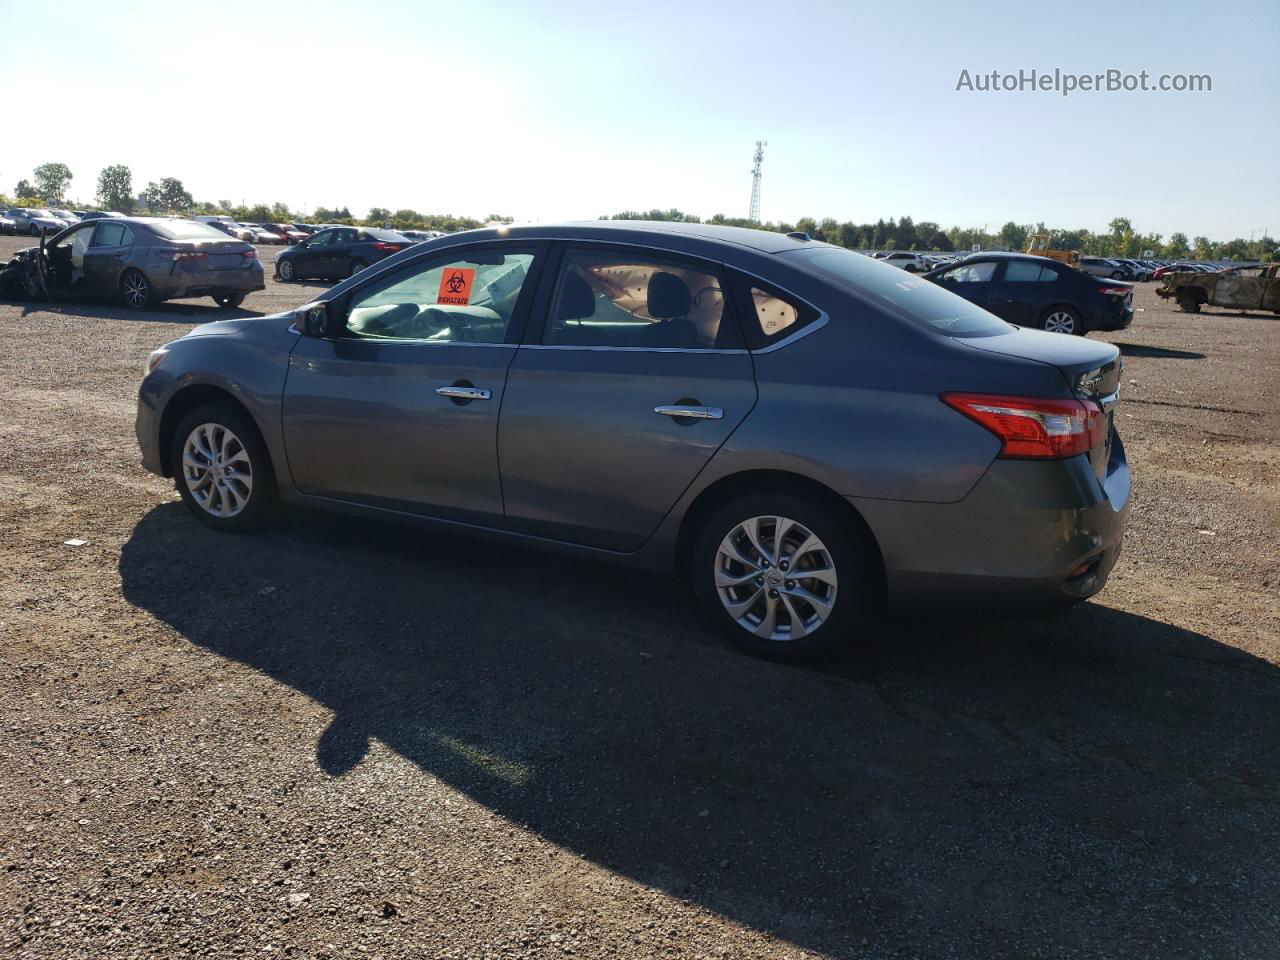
(51,183)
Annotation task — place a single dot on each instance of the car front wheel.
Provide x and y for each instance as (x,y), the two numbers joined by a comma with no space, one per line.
(285,269)
(782,576)
(228,301)
(222,469)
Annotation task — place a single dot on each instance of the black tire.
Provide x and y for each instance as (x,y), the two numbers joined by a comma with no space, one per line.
(854,590)
(357,265)
(1063,319)
(136,291)
(1188,303)
(261,495)
(285,271)
(228,301)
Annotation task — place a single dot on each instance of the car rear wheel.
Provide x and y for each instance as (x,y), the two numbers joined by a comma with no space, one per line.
(228,300)
(285,269)
(356,266)
(1188,303)
(1062,320)
(135,290)
(781,575)
(222,469)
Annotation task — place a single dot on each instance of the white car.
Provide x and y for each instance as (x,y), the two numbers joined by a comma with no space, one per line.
(910,262)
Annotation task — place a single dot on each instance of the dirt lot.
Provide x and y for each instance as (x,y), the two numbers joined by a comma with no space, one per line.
(337,739)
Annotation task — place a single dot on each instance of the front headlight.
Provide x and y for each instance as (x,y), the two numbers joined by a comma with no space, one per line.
(154,359)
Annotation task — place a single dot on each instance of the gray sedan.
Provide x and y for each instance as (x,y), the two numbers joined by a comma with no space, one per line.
(797,431)
(139,261)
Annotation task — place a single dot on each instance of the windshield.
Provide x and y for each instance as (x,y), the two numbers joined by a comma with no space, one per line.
(186,230)
(903,294)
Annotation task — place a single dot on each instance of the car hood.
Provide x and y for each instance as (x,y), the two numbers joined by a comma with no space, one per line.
(243,325)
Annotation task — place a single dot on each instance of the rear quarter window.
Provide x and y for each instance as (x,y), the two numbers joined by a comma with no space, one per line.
(905,295)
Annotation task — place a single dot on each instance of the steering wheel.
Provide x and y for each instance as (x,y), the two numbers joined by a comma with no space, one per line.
(41,273)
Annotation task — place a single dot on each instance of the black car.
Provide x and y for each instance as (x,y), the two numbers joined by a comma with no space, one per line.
(1038,292)
(339,252)
(96,214)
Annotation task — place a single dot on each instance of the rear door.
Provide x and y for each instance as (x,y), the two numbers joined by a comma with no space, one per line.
(623,392)
(398,406)
(1022,292)
(106,256)
(341,251)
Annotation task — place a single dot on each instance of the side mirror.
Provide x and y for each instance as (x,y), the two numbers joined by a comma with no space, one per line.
(312,320)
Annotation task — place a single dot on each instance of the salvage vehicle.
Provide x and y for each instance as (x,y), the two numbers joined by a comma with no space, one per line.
(1033,291)
(137,261)
(796,430)
(1244,288)
(33,221)
(338,252)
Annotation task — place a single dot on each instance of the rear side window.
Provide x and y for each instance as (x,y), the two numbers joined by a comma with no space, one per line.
(184,230)
(111,235)
(606,299)
(1024,271)
(903,295)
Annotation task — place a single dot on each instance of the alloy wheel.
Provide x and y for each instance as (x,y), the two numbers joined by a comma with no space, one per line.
(286,270)
(136,289)
(217,470)
(1060,321)
(775,578)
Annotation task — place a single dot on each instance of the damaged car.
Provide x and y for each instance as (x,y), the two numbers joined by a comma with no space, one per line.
(135,261)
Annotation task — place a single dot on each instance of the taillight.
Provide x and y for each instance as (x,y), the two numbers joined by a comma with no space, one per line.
(1115,291)
(181,255)
(389,247)
(250,254)
(1032,427)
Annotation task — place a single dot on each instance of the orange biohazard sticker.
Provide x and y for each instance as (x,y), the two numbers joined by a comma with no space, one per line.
(455,286)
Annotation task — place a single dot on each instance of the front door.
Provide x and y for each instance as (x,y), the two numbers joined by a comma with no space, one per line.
(620,397)
(971,280)
(398,407)
(312,259)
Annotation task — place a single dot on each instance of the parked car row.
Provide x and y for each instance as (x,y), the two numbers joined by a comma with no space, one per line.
(32,220)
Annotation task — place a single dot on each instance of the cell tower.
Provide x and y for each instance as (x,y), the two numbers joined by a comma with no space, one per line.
(754,215)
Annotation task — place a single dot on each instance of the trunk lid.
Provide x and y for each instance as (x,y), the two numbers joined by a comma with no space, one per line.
(1091,368)
(224,254)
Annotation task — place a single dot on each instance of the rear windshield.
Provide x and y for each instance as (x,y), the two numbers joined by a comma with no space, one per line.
(390,236)
(186,230)
(903,294)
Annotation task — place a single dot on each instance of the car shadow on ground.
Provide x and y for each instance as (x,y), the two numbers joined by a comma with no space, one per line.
(172,311)
(1099,778)
(1157,353)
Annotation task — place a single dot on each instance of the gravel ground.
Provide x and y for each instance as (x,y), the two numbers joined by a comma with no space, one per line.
(338,739)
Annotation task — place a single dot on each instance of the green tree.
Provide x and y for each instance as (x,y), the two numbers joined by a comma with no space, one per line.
(379,214)
(850,235)
(115,188)
(169,195)
(26,194)
(1014,236)
(1177,247)
(52,180)
(1202,248)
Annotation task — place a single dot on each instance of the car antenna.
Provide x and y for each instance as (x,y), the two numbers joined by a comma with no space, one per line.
(798,235)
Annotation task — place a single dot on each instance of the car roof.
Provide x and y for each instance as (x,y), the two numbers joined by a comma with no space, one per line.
(762,241)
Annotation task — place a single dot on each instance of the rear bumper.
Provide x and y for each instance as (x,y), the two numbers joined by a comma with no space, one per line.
(1031,535)
(201,283)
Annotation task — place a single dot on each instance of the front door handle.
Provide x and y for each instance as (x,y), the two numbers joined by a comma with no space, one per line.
(692,412)
(464,393)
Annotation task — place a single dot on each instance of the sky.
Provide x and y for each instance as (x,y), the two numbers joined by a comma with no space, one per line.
(565,110)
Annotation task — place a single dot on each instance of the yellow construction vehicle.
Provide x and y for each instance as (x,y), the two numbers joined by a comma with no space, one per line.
(1038,244)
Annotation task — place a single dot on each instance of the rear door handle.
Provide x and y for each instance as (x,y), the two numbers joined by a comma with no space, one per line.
(464,393)
(693,413)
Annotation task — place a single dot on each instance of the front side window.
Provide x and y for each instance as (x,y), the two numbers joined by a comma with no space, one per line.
(606,299)
(322,239)
(970,273)
(460,298)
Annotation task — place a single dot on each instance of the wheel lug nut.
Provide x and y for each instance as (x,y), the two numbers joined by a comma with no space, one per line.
(791,584)
(773,594)
(759,581)
(784,565)
(765,564)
